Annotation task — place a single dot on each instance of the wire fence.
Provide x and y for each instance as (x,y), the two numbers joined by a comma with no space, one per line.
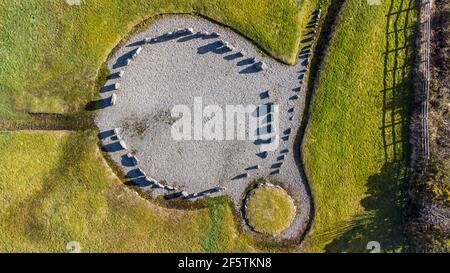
(426,83)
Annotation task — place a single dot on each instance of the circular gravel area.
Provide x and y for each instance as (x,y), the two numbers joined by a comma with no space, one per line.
(180,60)
(269,209)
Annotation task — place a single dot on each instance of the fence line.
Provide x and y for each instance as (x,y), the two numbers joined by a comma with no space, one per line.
(426,83)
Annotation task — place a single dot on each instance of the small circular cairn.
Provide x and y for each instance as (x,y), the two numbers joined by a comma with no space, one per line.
(269,209)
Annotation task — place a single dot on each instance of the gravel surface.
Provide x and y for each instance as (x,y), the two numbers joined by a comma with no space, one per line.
(172,71)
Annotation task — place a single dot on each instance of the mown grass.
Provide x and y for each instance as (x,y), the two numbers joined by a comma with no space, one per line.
(56,188)
(51,51)
(356,145)
(269,210)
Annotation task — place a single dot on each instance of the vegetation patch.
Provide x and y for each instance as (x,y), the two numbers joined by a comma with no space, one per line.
(428,225)
(37,79)
(269,209)
(356,147)
(56,188)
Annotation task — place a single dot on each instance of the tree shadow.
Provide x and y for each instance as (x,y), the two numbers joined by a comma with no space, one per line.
(381,220)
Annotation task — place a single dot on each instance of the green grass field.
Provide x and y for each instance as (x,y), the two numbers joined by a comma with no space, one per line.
(57,188)
(356,145)
(51,51)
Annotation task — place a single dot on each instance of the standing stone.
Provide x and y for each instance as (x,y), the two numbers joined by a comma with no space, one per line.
(262,65)
(123,145)
(133,159)
(113,99)
(138,50)
(141,172)
(148,181)
(229,46)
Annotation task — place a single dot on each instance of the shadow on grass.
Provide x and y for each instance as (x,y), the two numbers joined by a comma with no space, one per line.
(381,221)
(37,212)
(382,217)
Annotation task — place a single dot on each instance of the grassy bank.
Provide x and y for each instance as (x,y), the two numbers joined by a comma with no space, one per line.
(56,188)
(356,145)
(51,51)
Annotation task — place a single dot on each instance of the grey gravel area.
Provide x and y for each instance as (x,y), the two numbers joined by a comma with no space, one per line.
(172,70)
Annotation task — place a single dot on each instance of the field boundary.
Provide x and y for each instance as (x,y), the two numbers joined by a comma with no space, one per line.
(425,145)
(333,17)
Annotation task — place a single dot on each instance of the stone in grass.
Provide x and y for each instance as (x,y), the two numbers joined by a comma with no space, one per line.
(123,145)
(113,99)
